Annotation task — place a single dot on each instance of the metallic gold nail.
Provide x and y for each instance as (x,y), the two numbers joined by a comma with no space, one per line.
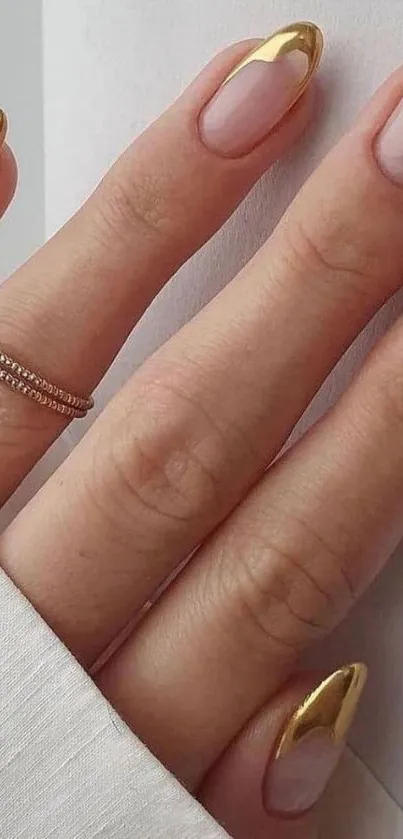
(330,708)
(260,90)
(303,37)
(312,743)
(3,127)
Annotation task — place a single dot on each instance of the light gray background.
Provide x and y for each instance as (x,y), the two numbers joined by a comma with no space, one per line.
(110,66)
(23,228)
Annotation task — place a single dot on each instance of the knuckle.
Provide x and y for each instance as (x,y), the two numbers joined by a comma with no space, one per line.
(280,604)
(125,204)
(290,590)
(159,463)
(335,253)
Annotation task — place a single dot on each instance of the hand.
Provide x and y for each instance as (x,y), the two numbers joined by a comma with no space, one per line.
(177,465)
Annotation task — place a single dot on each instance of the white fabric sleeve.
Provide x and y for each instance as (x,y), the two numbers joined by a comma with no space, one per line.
(69,767)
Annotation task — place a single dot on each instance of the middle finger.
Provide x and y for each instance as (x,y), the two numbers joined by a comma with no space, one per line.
(183,442)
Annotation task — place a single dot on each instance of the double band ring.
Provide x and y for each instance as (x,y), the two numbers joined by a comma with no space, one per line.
(35,387)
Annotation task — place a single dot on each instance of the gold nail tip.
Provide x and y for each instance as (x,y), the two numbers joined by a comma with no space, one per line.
(3,126)
(303,36)
(330,708)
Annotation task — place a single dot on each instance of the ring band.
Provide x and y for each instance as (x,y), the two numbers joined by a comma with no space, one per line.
(35,387)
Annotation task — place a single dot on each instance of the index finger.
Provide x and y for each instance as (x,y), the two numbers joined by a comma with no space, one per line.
(161,201)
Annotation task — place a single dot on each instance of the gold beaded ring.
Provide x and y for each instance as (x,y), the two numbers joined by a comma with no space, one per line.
(35,387)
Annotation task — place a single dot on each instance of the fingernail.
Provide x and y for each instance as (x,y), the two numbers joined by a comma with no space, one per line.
(312,743)
(3,127)
(260,90)
(389,146)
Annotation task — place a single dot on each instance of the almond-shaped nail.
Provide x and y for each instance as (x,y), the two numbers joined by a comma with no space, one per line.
(261,90)
(312,743)
(389,146)
(3,127)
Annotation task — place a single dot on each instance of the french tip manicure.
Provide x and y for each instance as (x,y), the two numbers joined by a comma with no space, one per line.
(313,741)
(260,90)
(303,36)
(331,707)
(3,127)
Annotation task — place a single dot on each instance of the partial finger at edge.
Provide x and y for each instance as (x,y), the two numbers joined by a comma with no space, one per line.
(268,783)
(8,178)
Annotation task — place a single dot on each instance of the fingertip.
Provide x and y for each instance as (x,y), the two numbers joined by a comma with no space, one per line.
(234,791)
(8,177)
(247,122)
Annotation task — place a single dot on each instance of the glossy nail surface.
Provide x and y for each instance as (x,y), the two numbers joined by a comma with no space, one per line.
(312,743)
(260,90)
(389,147)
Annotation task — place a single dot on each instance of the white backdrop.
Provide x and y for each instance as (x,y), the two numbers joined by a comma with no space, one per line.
(21,96)
(110,66)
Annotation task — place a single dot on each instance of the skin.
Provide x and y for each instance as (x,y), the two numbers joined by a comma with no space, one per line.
(180,457)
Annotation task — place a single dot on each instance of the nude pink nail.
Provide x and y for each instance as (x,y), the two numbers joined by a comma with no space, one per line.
(260,90)
(297,781)
(312,743)
(389,147)
(247,108)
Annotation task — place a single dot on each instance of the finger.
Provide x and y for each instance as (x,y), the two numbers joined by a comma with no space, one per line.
(92,282)
(8,168)
(283,570)
(288,565)
(184,441)
(8,178)
(236,791)
(260,789)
